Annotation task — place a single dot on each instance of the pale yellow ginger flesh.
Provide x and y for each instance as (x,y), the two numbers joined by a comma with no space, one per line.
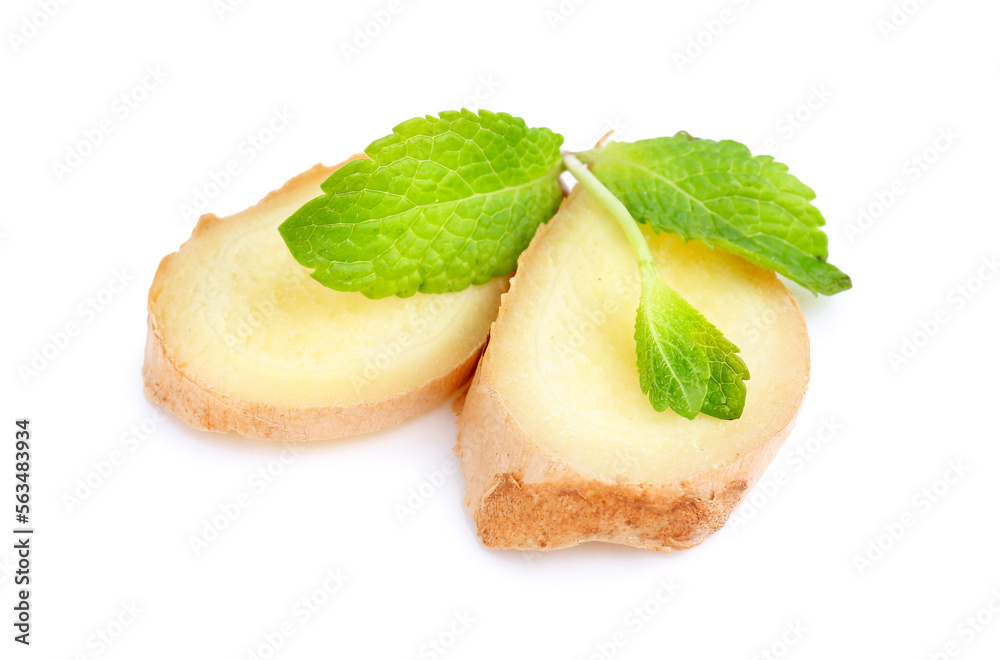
(566,359)
(556,407)
(244,322)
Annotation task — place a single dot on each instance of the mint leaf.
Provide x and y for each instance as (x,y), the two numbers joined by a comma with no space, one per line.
(673,372)
(684,362)
(445,202)
(717,192)
(727,393)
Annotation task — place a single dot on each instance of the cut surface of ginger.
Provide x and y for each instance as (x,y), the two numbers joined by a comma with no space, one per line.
(242,320)
(562,353)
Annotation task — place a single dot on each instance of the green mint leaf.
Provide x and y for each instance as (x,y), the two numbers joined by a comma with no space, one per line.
(445,202)
(727,393)
(719,193)
(684,362)
(673,372)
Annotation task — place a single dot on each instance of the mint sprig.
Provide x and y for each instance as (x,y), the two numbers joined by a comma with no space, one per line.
(450,201)
(445,202)
(684,362)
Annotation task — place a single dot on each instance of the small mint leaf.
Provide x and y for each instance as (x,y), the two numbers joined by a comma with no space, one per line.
(727,393)
(684,362)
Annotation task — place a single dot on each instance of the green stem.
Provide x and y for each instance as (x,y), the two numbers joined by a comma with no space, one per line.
(590,183)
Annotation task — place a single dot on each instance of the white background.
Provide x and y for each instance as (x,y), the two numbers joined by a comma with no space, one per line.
(786,576)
